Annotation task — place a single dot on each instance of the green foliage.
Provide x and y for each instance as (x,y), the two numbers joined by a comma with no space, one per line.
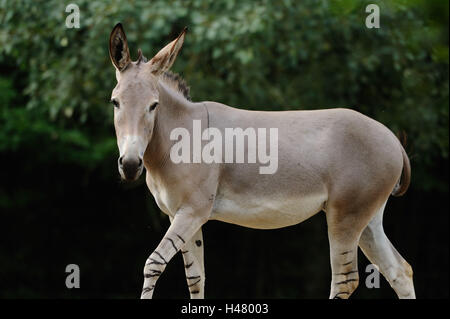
(253,54)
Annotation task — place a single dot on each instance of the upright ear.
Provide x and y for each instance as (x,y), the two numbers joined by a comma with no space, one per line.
(164,59)
(118,48)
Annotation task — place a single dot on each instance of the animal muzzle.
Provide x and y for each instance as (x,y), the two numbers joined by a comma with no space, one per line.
(130,167)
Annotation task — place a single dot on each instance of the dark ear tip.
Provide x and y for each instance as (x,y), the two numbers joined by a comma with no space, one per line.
(185,29)
(118,25)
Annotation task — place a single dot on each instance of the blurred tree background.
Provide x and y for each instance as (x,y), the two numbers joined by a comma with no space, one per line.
(61,200)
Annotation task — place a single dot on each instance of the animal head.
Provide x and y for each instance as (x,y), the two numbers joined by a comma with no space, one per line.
(136,98)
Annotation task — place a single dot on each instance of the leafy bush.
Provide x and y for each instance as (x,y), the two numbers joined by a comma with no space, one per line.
(253,54)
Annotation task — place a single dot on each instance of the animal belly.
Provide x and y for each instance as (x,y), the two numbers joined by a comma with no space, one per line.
(266,213)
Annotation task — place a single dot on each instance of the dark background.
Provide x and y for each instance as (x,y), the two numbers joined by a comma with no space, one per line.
(61,199)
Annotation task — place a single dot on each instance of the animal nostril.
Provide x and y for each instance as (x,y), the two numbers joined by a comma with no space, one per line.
(120,160)
(140,162)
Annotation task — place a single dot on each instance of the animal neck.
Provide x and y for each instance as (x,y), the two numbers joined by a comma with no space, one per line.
(174,111)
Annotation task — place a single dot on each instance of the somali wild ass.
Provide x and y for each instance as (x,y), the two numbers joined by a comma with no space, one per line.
(333,160)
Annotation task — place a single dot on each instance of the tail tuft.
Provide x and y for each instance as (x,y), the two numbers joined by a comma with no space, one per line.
(405,179)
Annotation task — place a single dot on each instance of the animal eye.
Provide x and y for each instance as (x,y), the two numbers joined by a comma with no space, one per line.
(153,106)
(115,103)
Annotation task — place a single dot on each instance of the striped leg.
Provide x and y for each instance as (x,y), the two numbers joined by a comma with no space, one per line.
(183,227)
(194,267)
(343,234)
(344,266)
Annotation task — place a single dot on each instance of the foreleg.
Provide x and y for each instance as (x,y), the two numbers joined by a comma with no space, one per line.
(184,226)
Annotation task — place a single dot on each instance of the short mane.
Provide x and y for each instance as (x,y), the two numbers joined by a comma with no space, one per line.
(175,81)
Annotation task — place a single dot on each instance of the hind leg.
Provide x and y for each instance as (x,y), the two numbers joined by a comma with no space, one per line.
(344,267)
(379,250)
(344,231)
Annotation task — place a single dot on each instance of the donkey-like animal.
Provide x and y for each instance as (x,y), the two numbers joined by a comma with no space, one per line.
(335,160)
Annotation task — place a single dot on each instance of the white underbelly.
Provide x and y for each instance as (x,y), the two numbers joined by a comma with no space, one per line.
(266,213)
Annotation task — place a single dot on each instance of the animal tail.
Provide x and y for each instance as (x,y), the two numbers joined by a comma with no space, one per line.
(405,179)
